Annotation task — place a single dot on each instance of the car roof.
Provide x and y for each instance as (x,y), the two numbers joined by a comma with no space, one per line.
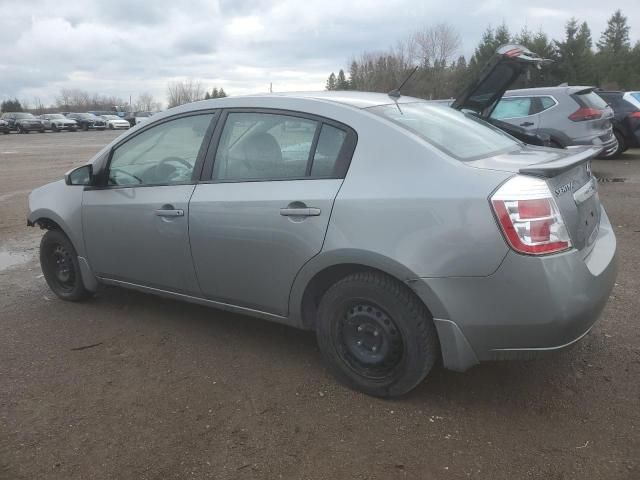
(346,97)
(568,89)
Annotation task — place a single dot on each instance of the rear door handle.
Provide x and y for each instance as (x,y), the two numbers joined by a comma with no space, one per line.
(169,211)
(526,124)
(300,212)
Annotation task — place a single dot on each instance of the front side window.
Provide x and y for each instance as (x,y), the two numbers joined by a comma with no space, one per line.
(264,146)
(164,154)
(461,135)
(512,107)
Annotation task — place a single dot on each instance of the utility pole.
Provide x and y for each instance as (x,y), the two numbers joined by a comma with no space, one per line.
(270,87)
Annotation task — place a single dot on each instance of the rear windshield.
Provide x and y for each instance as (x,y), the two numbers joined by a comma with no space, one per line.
(636,95)
(461,135)
(24,115)
(593,100)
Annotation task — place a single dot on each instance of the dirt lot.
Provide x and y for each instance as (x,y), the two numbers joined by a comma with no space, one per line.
(171,390)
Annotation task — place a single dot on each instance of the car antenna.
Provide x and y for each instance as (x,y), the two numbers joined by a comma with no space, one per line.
(396,92)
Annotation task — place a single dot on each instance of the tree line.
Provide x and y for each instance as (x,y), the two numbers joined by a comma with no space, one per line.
(612,63)
(78,100)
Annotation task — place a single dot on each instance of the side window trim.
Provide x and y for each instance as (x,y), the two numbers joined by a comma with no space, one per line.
(342,162)
(103,174)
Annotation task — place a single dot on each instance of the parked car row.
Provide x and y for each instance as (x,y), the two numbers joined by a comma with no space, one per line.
(24,122)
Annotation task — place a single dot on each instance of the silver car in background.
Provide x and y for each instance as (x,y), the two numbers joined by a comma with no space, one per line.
(400,231)
(57,122)
(569,116)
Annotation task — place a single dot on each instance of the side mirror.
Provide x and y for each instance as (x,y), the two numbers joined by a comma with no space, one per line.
(79,176)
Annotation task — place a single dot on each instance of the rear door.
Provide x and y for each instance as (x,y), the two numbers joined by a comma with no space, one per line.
(264,207)
(502,70)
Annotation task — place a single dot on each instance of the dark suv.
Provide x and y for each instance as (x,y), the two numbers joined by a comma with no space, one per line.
(23,122)
(87,121)
(626,119)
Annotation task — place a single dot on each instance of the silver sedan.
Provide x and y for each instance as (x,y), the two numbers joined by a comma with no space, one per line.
(400,231)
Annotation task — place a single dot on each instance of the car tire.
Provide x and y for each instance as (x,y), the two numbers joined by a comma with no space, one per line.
(42,131)
(85,127)
(111,127)
(375,335)
(60,266)
(555,144)
(55,129)
(19,129)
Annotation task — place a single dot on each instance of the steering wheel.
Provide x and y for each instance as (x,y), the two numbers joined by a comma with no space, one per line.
(176,159)
(119,170)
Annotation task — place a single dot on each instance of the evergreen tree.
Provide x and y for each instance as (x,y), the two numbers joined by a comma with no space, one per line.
(354,82)
(222,93)
(11,106)
(207,96)
(341,82)
(214,93)
(574,54)
(331,82)
(615,39)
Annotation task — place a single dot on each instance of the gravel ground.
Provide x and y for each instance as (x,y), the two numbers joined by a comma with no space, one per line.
(130,386)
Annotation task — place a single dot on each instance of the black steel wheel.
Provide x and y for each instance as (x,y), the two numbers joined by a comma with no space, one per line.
(375,335)
(368,340)
(59,263)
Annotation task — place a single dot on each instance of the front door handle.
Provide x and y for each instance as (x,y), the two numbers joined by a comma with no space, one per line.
(300,212)
(526,124)
(169,211)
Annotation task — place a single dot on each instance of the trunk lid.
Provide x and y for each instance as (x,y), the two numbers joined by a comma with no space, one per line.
(502,70)
(568,175)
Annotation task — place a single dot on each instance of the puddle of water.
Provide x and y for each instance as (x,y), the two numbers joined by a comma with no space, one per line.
(11,259)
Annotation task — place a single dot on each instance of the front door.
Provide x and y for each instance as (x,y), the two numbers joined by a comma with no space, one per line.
(265,212)
(135,225)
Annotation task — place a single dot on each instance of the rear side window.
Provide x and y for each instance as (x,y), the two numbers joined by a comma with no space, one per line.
(461,135)
(263,146)
(330,143)
(512,107)
(546,102)
(257,146)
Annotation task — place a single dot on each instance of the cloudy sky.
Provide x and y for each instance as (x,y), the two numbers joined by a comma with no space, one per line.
(126,47)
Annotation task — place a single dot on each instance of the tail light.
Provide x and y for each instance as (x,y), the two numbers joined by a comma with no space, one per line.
(586,113)
(529,217)
(635,114)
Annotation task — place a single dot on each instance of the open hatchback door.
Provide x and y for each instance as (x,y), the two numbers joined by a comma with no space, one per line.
(498,75)
(504,68)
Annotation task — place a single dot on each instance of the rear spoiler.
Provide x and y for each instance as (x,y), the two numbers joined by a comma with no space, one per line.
(556,167)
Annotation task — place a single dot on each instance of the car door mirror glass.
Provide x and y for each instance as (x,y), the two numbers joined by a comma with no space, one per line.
(80,176)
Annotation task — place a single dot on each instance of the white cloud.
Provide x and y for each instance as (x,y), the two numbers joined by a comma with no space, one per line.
(124,47)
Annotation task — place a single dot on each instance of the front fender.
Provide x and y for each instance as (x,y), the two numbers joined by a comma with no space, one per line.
(62,204)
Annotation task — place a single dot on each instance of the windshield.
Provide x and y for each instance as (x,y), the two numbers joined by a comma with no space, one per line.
(86,115)
(24,115)
(143,114)
(56,117)
(461,135)
(111,117)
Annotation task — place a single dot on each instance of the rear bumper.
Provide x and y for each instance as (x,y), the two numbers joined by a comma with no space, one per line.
(530,305)
(607,142)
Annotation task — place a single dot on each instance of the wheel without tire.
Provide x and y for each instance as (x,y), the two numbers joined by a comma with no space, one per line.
(375,335)
(59,263)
